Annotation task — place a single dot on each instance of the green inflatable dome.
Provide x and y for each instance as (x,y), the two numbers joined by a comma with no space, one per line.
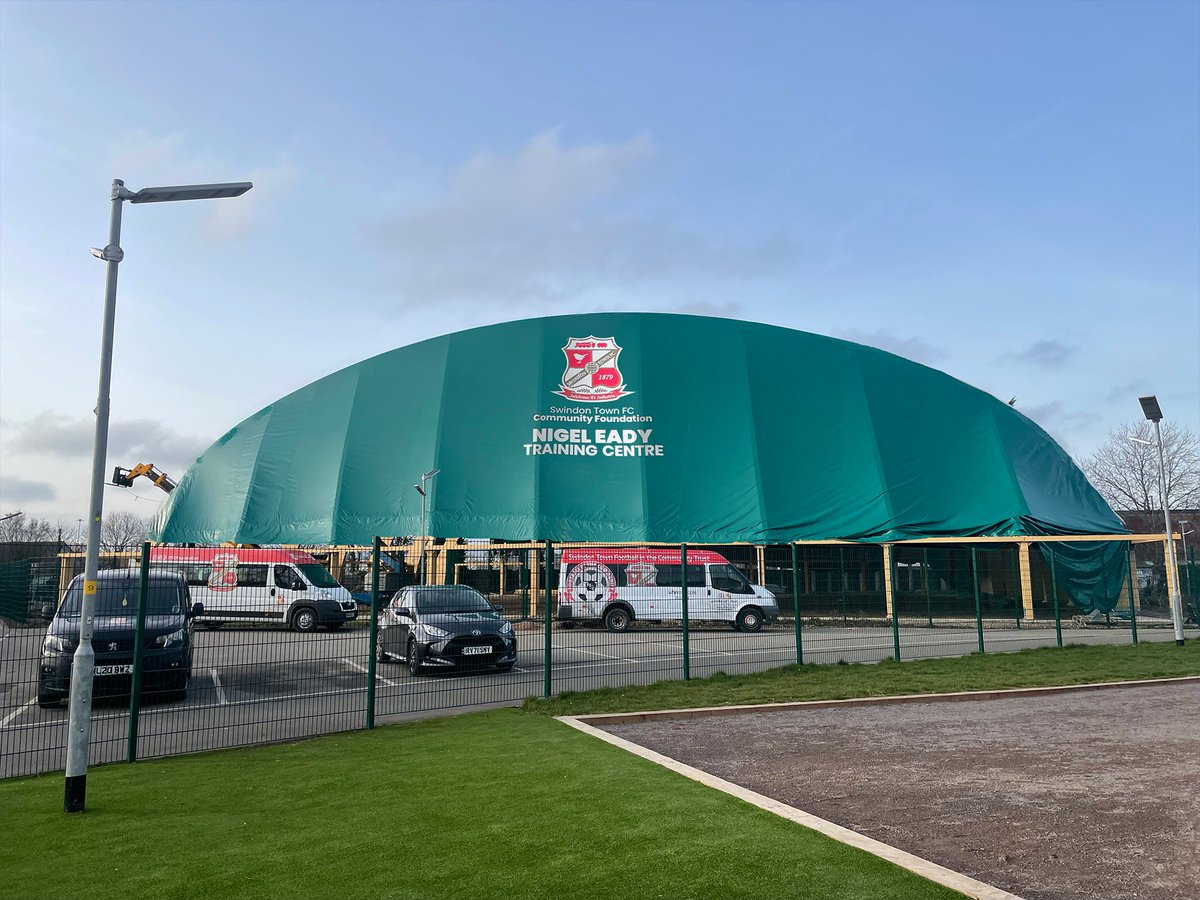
(634,427)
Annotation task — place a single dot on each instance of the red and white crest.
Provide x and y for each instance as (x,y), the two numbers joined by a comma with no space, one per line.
(592,374)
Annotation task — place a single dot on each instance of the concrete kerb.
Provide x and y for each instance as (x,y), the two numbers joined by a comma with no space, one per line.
(912,863)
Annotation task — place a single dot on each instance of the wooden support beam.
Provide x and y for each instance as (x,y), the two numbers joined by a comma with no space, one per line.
(888,598)
(1026,581)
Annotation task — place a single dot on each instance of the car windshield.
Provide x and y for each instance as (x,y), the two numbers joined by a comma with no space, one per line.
(318,575)
(120,597)
(456,599)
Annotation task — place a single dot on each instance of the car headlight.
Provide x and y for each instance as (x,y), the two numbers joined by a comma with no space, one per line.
(167,640)
(506,628)
(433,633)
(56,644)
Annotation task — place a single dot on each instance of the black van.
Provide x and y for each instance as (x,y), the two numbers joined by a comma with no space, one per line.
(166,637)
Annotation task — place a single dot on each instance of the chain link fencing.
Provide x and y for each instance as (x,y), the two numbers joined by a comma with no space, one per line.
(205,647)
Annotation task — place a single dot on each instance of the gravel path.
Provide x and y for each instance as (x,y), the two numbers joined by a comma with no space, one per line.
(1092,794)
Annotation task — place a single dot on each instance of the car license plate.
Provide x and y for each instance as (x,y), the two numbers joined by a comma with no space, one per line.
(113,670)
(476,651)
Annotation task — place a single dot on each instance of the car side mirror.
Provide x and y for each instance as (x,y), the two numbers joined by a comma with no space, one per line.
(297,585)
(197,609)
(404,611)
(498,607)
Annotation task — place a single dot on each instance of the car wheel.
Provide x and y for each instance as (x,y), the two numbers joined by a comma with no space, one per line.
(749,618)
(414,667)
(49,701)
(617,619)
(305,619)
(178,691)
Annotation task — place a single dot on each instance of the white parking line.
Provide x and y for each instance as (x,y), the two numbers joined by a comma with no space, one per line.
(364,669)
(16,712)
(216,680)
(594,653)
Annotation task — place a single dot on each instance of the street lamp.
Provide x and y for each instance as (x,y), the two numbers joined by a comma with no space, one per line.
(420,488)
(79,716)
(1153,413)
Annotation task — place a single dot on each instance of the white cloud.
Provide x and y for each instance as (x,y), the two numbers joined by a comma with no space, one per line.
(162,159)
(555,221)
(20,490)
(1044,354)
(130,441)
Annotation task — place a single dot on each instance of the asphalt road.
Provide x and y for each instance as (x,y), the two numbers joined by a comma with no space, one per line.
(253,686)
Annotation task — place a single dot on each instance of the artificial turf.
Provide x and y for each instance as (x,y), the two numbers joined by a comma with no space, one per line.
(1073,664)
(506,804)
(498,804)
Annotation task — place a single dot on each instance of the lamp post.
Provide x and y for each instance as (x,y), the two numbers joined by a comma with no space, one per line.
(1153,413)
(420,488)
(79,716)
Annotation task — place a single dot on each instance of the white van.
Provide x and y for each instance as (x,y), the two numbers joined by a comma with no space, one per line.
(619,586)
(281,587)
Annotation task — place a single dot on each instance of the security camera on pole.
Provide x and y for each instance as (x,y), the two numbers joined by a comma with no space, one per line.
(1153,412)
(420,488)
(79,715)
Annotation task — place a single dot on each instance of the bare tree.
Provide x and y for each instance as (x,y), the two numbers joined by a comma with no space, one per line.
(18,529)
(1124,469)
(123,531)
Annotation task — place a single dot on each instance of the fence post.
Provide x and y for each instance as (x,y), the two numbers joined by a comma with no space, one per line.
(1054,588)
(1132,611)
(797,587)
(139,630)
(842,576)
(925,579)
(546,618)
(526,581)
(687,657)
(978,605)
(372,652)
(889,586)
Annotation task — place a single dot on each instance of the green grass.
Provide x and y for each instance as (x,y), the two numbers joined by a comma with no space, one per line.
(499,804)
(1074,664)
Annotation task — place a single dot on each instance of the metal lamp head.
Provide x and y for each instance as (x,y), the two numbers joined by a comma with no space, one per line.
(1150,408)
(191,192)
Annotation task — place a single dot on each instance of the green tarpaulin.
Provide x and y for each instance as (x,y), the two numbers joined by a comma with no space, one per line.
(634,427)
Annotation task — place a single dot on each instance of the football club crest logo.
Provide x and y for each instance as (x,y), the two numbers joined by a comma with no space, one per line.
(591,583)
(592,374)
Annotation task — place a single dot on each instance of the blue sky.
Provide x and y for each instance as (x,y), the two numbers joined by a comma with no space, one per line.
(1009,192)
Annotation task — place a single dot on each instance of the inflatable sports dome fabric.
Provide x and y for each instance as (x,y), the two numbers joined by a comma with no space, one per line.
(634,427)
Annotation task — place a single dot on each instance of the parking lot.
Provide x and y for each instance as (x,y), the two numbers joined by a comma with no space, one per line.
(255,685)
